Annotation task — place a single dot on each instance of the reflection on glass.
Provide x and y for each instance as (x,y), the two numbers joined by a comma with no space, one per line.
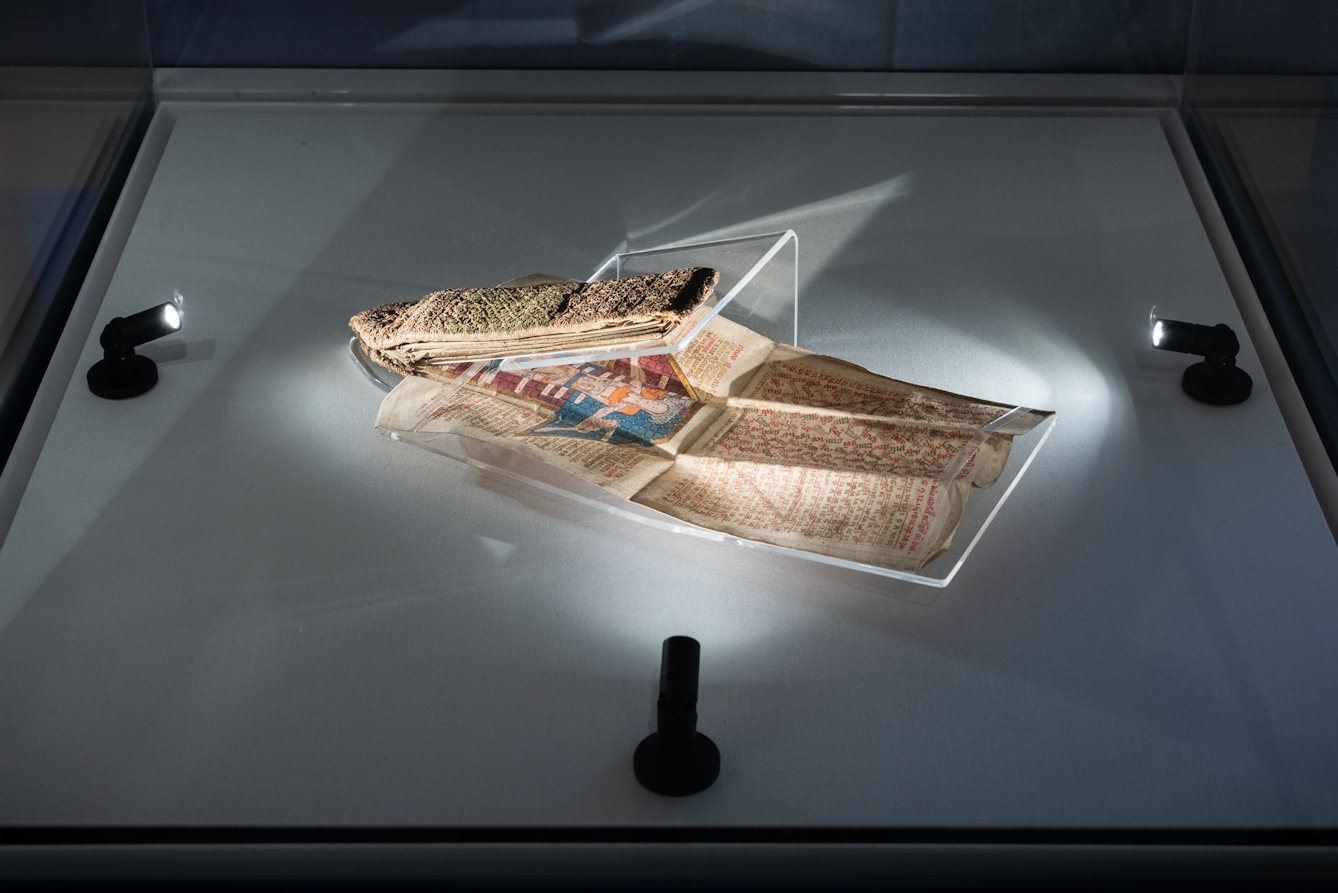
(1259,101)
(74,98)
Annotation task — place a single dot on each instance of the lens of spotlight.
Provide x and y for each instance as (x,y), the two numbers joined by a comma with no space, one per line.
(146,325)
(1184,337)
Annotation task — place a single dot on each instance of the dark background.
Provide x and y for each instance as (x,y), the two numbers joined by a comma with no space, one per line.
(1164,36)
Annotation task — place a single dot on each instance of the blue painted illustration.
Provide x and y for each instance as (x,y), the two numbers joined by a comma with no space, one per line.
(616,407)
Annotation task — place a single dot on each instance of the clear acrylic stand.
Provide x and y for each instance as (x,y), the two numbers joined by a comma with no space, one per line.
(981,509)
(759,279)
(758,289)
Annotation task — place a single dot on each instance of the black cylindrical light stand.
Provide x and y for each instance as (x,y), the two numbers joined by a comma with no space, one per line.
(121,372)
(677,760)
(1217,380)
(676,710)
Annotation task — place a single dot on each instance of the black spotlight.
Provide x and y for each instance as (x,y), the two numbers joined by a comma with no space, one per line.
(121,372)
(677,760)
(1217,380)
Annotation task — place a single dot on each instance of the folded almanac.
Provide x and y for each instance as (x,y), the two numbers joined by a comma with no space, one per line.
(464,325)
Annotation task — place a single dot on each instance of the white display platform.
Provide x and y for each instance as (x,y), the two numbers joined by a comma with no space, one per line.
(230,601)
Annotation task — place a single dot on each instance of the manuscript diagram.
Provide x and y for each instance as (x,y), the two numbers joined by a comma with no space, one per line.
(628,402)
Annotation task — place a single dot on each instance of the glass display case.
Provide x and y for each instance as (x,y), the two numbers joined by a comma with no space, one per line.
(231,603)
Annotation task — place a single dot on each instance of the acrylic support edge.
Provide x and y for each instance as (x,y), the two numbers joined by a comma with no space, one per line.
(494,459)
(616,266)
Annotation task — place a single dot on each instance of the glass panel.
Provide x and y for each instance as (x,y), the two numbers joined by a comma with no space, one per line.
(832,35)
(1259,103)
(75,96)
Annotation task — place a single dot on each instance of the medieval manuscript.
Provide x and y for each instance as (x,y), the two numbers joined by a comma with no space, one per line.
(740,435)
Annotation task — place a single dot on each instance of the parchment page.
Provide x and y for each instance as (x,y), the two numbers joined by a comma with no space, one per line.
(778,434)
(617,424)
(723,357)
(821,455)
(812,410)
(885,520)
(417,405)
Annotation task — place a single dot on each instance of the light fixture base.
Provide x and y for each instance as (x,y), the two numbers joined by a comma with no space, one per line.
(136,375)
(676,771)
(1217,385)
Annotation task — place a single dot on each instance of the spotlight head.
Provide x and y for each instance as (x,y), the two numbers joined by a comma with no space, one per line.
(121,372)
(1217,380)
(1188,337)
